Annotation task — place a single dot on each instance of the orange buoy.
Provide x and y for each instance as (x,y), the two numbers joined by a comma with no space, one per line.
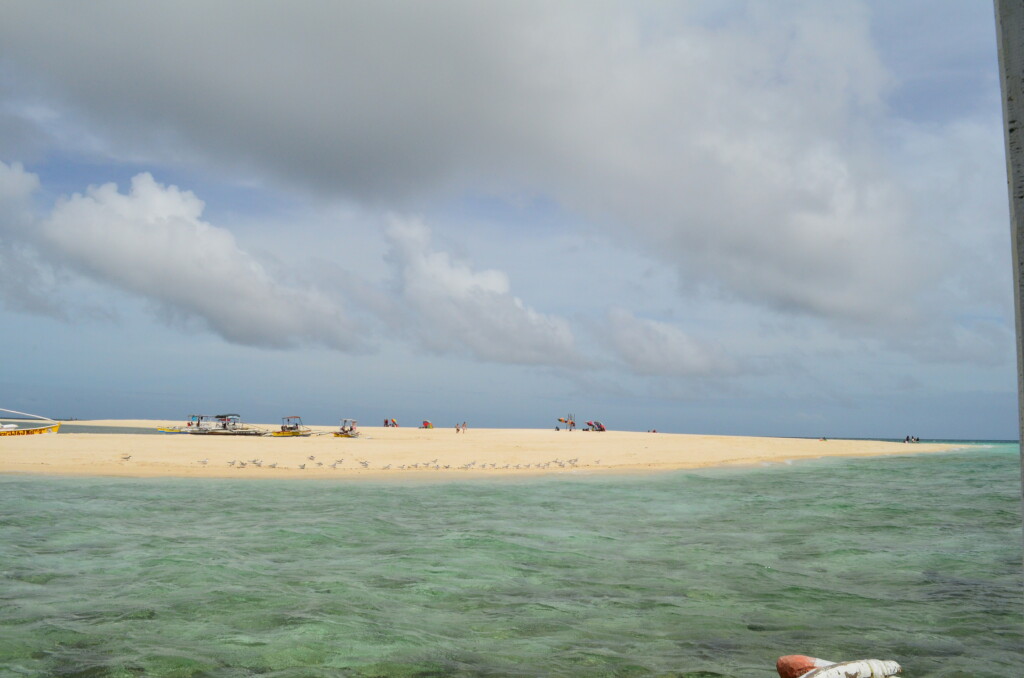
(796,665)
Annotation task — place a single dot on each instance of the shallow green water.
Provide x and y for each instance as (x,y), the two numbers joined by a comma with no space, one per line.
(713,573)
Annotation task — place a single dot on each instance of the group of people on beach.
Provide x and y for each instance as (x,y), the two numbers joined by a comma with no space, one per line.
(459,428)
(911,439)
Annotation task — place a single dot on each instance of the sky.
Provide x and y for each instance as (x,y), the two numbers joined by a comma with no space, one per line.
(784,219)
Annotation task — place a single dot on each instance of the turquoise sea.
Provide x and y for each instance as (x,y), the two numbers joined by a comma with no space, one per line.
(697,574)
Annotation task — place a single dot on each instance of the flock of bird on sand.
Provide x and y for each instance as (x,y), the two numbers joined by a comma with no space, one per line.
(433,464)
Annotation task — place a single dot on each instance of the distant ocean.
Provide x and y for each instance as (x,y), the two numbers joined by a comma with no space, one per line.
(691,573)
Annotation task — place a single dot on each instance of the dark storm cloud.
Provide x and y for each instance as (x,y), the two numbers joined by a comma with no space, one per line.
(369,100)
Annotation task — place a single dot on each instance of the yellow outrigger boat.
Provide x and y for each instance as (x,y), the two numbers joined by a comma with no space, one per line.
(292,427)
(349,429)
(194,421)
(14,430)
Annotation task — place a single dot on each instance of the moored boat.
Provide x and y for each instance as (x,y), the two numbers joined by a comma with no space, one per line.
(49,425)
(349,428)
(216,425)
(292,427)
(193,421)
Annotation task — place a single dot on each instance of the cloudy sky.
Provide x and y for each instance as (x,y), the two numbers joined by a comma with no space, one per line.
(783,218)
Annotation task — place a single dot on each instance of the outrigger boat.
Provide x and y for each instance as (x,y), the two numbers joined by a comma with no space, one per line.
(14,430)
(215,425)
(292,427)
(193,421)
(349,429)
(230,425)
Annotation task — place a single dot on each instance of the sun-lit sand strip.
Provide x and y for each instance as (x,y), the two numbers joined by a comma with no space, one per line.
(410,452)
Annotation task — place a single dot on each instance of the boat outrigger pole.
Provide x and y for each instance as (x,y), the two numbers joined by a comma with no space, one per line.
(26,414)
(51,426)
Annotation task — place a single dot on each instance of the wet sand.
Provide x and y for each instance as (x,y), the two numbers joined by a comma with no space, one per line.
(411,452)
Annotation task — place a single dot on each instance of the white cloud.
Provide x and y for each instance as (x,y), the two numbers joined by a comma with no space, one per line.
(654,348)
(26,283)
(737,144)
(16,186)
(151,242)
(452,308)
(760,155)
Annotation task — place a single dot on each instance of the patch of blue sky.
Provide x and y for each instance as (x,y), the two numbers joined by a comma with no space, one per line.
(937,81)
(66,172)
(514,214)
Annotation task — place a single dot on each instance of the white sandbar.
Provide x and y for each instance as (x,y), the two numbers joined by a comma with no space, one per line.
(408,451)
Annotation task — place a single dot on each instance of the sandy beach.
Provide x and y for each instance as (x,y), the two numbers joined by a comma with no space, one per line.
(412,452)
